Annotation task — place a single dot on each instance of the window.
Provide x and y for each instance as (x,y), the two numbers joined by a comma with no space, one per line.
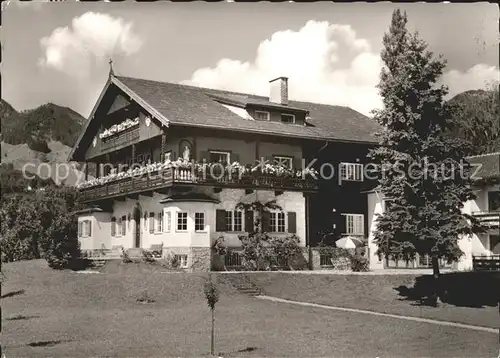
(159,222)
(494,201)
(219,157)
(168,156)
(119,224)
(281,222)
(277,222)
(286,162)
(272,222)
(124,225)
(234,221)
(229,221)
(238,221)
(113,226)
(151,223)
(262,115)
(167,221)
(288,118)
(355,224)
(182,221)
(199,222)
(351,171)
(85,228)
(182,260)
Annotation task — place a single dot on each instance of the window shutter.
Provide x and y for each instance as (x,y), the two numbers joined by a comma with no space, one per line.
(297,163)
(220,220)
(249,223)
(235,157)
(80,223)
(266,221)
(292,222)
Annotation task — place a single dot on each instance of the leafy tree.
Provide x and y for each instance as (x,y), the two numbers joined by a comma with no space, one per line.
(476,116)
(40,225)
(421,170)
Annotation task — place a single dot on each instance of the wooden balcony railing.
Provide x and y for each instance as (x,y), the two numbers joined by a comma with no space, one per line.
(486,263)
(118,139)
(488,218)
(185,176)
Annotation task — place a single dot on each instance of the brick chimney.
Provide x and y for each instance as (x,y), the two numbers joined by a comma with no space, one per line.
(279,90)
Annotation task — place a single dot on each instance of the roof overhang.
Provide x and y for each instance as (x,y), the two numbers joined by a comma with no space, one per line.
(189,197)
(131,94)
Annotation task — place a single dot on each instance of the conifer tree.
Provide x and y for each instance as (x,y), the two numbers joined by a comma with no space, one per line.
(422,172)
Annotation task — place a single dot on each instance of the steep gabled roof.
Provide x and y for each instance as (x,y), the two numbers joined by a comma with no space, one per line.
(184,105)
(490,165)
(196,106)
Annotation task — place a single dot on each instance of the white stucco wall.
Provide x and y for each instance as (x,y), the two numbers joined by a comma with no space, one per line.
(288,201)
(100,231)
(375,208)
(191,238)
(229,198)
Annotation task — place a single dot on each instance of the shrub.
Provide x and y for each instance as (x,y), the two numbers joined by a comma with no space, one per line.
(174,262)
(125,257)
(157,252)
(145,298)
(283,249)
(359,263)
(219,247)
(147,257)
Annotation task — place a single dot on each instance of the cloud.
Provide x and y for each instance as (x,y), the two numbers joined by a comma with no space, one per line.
(476,77)
(92,38)
(325,63)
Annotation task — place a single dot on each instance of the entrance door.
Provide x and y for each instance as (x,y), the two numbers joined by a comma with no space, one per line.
(137,219)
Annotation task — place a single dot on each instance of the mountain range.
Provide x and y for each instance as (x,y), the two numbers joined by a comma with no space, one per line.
(44,134)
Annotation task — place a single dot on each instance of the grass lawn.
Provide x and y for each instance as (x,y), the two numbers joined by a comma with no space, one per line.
(63,313)
(476,304)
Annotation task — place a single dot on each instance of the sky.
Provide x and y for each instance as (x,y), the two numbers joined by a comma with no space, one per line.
(59,51)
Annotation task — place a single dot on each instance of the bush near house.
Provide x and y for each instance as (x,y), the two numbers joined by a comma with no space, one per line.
(354,259)
(40,225)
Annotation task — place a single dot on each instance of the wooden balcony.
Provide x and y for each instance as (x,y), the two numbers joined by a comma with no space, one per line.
(185,177)
(128,135)
(490,219)
(486,263)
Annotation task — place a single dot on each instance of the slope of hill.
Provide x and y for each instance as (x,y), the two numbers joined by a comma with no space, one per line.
(41,135)
(44,123)
(6,110)
(477,117)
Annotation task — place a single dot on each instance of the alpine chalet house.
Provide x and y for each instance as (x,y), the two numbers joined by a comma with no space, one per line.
(167,164)
(486,207)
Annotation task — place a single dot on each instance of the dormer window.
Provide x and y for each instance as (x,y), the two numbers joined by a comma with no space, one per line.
(288,118)
(262,115)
